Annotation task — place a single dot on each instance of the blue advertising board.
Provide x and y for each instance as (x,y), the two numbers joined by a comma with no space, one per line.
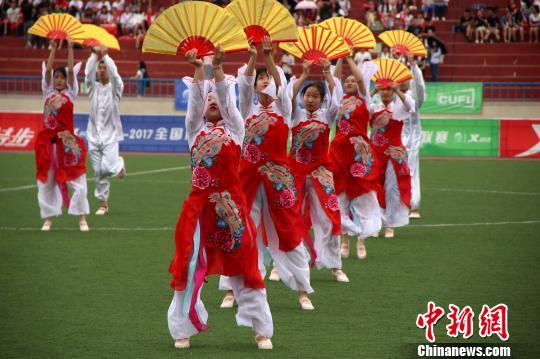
(144,133)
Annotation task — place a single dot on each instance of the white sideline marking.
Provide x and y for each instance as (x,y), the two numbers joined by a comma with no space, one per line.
(483,191)
(12,189)
(149,229)
(473,224)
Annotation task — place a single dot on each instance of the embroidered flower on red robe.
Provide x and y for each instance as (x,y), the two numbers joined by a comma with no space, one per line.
(358,170)
(332,203)
(252,154)
(201,178)
(379,140)
(287,198)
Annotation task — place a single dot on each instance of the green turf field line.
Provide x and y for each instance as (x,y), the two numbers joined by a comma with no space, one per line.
(137,229)
(20,188)
(482,191)
(532,221)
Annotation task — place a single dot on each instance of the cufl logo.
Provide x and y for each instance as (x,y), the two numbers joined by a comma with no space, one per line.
(465,98)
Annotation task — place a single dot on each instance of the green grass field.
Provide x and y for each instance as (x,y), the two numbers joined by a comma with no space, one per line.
(105,294)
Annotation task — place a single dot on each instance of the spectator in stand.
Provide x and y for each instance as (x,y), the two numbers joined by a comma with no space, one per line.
(493,25)
(385,52)
(125,22)
(287,63)
(104,16)
(439,9)
(89,5)
(435,58)
(142,79)
(385,8)
(344,7)
(411,4)
(102,4)
(76,8)
(427,8)
(13,19)
(326,9)
(405,18)
(534,22)
(27,10)
(480,27)
(87,17)
(416,27)
(118,6)
(516,23)
(361,56)
(466,25)
(371,14)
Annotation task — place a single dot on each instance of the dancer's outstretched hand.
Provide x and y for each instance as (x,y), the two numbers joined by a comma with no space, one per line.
(191,57)
(219,55)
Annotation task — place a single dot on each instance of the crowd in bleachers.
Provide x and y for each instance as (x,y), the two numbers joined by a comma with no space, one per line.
(518,22)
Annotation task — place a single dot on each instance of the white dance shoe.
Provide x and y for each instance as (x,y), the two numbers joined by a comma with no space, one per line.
(181,343)
(389,233)
(274,275)
(414,215)
(263,343)
(306,304)
(46,225)
(102,211)
(123,171)
(361,251)
(344,248)
(340,276)
(227,302)
(83,226)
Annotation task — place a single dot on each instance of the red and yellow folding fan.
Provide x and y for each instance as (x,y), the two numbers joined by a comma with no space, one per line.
(389,71)
(352,31)
(194,25)
(95,36)
(57,26)
(316,42)
(403,42)
(264,18)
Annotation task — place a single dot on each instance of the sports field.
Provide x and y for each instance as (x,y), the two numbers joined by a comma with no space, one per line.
(105,294)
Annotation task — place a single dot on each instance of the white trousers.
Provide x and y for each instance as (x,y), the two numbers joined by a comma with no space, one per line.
(326,245)
(396,213)
(106,163)
(253,311)
(413,160)
(50,198)
(366,215)
(293,266)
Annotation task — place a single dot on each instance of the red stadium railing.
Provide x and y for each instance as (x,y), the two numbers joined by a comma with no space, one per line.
(162,87)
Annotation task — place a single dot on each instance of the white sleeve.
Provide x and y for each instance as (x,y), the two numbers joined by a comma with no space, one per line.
(246,87)
(227,106)
(283,101)
(72,93)
(90,73)
(369,68)
(198,93)
(47,88)
(116,80)
(418,85)
(408,104)
(334,101)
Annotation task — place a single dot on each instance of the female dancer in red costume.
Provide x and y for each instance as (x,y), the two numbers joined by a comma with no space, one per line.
(214,234)
(311,164)
(386,123)
(60,154)
(355,164)
(267,179)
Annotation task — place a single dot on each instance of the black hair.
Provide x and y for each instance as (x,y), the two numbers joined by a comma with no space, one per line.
(318,85)
(258,72)
(61,70)
(101,62)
